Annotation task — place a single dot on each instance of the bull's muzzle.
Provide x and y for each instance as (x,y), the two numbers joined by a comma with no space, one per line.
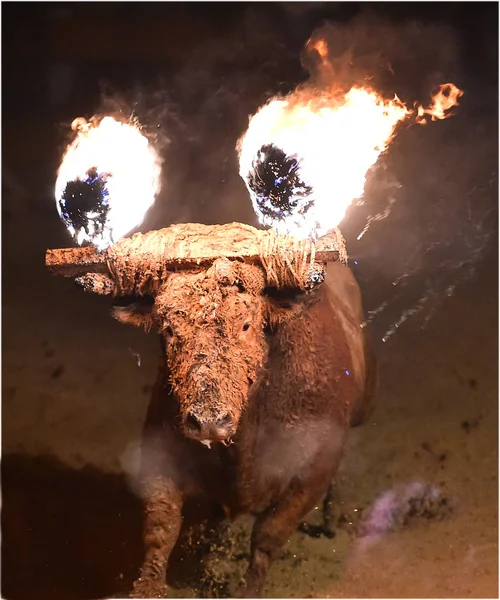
(209,426)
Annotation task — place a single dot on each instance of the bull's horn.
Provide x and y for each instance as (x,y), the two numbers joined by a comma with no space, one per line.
(139,265)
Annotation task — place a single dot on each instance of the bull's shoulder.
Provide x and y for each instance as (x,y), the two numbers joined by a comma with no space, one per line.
(344,299)
(343,291)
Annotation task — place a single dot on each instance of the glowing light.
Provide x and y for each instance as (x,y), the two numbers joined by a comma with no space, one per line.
(445,99)
(321,48)
(108,179)
(304,158)
(331,143)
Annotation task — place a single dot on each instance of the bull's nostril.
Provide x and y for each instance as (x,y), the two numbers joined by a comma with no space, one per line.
(210,428)
(193,422)
(224,421)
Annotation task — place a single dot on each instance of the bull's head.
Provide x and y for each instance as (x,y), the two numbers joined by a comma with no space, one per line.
(213,325)
(213,302)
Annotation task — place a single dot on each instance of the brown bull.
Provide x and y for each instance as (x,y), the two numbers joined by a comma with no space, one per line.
(269,383)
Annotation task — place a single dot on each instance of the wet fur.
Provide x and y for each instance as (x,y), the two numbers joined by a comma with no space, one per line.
(212,361)
(317,380)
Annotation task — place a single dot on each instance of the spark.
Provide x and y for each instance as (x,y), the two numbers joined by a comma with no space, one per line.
(137,357)
(377,217)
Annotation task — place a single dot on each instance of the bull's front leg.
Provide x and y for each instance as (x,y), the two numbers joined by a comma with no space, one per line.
(275,526)
(162,527)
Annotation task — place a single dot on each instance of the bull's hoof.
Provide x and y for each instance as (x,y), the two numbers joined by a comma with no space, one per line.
(144,588)
(316,531)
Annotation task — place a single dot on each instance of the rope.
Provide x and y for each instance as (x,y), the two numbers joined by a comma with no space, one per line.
(140,265)
(286,261)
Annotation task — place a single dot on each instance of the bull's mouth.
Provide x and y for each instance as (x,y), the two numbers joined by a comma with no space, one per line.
(208,443)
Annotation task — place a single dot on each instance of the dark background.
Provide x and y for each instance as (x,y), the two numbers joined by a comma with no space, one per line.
(73,393)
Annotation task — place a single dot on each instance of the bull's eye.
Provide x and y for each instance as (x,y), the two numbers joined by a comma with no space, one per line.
(168,331)
(246,327)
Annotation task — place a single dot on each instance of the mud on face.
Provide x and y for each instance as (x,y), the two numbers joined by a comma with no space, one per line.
(213,332)
(212,324)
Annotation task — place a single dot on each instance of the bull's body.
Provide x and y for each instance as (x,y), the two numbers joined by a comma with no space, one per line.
(318,380)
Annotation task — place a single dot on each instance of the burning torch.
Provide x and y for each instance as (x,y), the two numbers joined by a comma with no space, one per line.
(304,159)
(108,179)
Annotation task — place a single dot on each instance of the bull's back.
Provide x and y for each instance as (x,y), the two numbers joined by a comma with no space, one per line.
(344,296)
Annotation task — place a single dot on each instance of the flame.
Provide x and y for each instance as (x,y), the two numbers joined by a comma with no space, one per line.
(118,160)
(321,48)
(443,101)
(304,158)
(335,142)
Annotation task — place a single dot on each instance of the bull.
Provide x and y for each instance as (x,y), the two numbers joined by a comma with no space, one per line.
(255,394)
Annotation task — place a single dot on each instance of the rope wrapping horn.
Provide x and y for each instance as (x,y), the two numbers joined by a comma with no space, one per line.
(141,264)
(138,265)
(286,261)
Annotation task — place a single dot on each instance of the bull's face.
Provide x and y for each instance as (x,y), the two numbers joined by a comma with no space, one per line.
(215,347)
(213,327)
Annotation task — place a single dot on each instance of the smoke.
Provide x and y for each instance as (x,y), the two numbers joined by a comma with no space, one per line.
(216,86)
(396,507)
(130,462)
(406,58)
(150,458)
(280,457)
(151,105)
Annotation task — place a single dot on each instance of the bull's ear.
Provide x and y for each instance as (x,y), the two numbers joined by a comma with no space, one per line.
(283,306)
(139,312)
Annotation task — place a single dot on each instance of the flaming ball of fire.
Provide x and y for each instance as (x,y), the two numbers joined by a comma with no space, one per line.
(108,179)
(305,157)
(275,181)
(318,149)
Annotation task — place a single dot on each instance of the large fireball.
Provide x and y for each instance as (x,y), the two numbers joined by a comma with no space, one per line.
(305,157)
(108,179)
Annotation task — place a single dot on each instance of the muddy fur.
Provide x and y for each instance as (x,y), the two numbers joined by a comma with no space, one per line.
(215,342)
(290,369)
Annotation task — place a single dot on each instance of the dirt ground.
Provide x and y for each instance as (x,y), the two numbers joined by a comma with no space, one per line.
(417,496)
